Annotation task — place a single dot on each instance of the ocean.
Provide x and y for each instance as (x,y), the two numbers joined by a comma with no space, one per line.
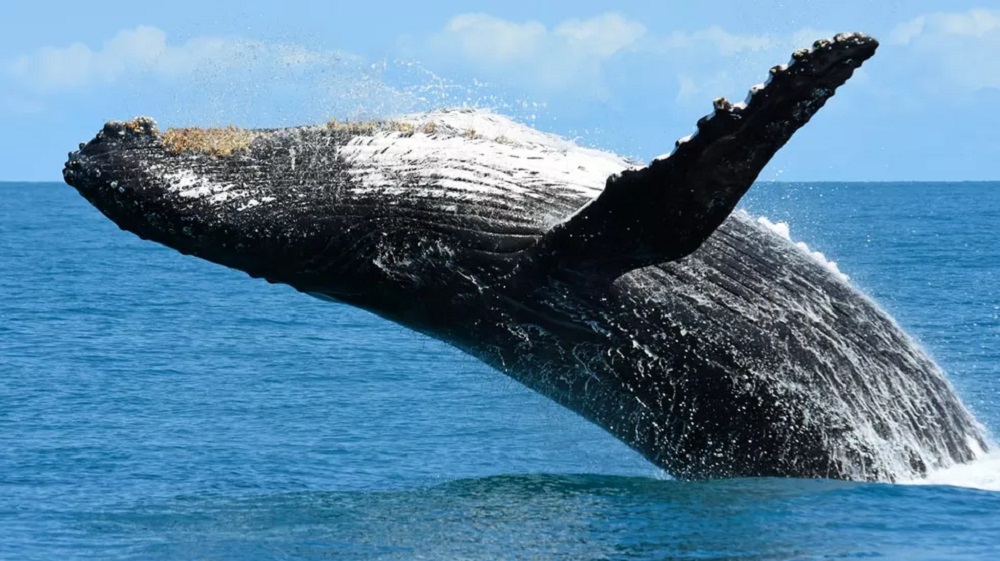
(154,406)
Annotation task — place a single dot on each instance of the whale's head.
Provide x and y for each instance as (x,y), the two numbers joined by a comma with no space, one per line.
(206,192)
(360,212)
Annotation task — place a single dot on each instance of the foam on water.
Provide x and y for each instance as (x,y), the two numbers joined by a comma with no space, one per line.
(983,473)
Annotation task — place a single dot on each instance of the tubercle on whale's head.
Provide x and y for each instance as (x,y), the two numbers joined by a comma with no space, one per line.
(95,169)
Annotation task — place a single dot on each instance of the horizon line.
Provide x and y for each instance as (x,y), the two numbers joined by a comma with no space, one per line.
(760,182)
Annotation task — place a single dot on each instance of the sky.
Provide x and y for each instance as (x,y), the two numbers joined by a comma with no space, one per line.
(626,76)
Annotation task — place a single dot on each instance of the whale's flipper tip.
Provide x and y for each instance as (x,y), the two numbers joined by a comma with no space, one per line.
(666,210)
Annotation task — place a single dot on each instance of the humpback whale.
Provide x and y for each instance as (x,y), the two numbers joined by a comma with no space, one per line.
(637,296)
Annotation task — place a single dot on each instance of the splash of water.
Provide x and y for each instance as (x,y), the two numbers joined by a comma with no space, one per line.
(983,473)
(260,89)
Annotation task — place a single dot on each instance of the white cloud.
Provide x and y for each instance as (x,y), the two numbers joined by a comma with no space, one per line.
(145,50)
(980,23)
(716,39)
(574,56)
(218,80)
(571,57)
(602,36)
(489,40)
(955,51)
(573,51)
(714,62)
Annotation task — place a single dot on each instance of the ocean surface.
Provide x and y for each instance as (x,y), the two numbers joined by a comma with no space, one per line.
(154,406)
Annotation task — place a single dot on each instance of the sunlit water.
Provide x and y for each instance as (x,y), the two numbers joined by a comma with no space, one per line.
(153,406)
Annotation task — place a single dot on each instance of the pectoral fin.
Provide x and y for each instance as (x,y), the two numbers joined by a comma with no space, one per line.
(666,210)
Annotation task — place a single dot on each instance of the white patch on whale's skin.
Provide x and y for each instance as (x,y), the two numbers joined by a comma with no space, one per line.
(188,184)
(474,154)
(191,185)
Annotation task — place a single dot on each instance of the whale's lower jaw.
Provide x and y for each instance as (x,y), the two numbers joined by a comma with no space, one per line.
(631,296)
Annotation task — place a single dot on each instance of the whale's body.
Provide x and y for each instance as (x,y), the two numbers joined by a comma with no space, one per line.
(635,297)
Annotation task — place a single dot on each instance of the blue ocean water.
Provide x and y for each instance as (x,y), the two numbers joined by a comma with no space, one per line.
(153,406)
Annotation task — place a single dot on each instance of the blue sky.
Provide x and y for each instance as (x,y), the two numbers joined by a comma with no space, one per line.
(626,76)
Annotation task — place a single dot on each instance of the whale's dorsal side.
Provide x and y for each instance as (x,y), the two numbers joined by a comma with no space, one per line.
(666,210)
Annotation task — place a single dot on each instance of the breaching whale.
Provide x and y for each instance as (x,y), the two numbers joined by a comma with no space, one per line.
(634,296)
